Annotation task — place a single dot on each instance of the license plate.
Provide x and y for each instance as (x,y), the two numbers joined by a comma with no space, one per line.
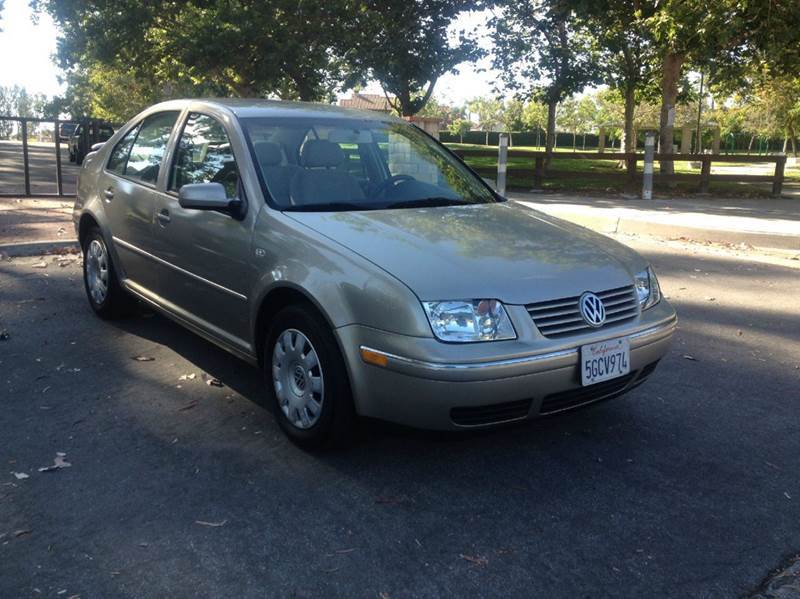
(605,360)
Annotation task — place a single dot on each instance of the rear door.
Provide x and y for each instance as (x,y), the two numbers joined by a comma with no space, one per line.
(127,186)
(206,270)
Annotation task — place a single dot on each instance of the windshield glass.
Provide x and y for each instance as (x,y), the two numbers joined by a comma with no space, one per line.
(348,164)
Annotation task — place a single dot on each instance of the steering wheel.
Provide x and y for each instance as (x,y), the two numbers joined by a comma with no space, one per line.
(392,182)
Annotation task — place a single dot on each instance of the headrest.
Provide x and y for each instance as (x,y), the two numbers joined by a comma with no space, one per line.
(321,152)
(268,153)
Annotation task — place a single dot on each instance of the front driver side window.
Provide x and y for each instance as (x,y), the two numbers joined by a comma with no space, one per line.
(204,155)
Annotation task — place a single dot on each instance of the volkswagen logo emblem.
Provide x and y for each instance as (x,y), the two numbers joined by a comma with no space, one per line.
(592,309)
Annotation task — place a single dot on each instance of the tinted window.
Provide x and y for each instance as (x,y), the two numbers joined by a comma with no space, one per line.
(204,155)
(119,156)
(149,147)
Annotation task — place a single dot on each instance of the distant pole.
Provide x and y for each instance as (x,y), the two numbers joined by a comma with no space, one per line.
(698,144)
(502,162)
(647,171)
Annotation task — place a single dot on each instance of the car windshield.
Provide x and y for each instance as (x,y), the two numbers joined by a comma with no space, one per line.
(348,164)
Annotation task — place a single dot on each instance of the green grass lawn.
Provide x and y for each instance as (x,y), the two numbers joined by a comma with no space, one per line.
(584,169)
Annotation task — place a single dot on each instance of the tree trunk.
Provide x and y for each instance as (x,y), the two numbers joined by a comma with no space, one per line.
(671,73)
(550,140)
(750,145)
(630,105)
(792,140)
(574,141)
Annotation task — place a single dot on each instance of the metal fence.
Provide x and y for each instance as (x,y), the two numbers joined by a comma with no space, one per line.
(38,156)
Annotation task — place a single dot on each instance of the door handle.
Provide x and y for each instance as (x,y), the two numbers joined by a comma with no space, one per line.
(109,194)
(163,217)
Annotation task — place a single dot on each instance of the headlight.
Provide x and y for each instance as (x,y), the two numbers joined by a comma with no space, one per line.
(464,321)
(647,289)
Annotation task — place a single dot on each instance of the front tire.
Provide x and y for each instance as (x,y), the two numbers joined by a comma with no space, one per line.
(106,296)
(307,380)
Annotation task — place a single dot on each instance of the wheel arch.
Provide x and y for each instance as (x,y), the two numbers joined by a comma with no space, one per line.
(87,222)
(275,300)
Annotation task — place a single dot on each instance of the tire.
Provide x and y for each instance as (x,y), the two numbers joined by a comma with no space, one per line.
(106,296)
(71,156)
(312,398)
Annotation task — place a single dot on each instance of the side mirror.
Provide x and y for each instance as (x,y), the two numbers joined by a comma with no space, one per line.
(208,196)
(96,146)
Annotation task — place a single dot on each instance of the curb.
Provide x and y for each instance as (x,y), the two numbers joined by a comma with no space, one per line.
(36,248)
(613,224)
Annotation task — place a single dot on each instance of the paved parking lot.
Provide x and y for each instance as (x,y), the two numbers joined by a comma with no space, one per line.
(686,487)
(42,164)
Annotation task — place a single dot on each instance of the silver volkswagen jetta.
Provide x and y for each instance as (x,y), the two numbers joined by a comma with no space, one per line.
(363,266)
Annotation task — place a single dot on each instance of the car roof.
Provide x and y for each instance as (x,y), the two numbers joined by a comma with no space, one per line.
(257,107)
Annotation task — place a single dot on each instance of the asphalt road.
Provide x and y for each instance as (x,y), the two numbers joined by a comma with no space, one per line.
(686,487)
(42,169)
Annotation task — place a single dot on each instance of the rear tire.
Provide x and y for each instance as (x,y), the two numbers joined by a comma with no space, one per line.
(307,380)
(106,296)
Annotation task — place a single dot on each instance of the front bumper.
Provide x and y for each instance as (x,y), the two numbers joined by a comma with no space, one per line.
(429,384)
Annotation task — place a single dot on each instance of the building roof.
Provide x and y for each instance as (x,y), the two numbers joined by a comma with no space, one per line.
(366,102)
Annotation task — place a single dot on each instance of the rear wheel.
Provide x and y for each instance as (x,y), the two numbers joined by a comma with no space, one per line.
(307,380)
(107,298)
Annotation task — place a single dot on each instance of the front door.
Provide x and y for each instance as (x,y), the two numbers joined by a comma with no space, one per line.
(206,272)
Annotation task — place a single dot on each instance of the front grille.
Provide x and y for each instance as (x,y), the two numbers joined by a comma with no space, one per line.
(564,400)
(491,414)
(562,317)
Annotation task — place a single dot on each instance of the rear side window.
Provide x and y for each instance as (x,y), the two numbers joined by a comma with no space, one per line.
(119,156)
(149,148)
(204,155)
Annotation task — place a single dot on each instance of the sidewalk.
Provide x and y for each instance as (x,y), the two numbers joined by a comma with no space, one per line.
(35,225)
(764,223)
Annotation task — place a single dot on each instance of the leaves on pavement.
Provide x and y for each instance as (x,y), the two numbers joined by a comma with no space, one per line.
(58,463)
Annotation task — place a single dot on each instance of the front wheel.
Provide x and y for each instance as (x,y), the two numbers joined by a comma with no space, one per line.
(307,380)
(107,298)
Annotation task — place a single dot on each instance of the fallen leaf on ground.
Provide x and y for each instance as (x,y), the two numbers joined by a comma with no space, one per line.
(711,299)
(39,265)
(212,381)
(21,475)
(688,357)
(22,533)
(143,358)
(211,524)
(478,560)
(187,377)
(346,550)
(58,463)
(4,336)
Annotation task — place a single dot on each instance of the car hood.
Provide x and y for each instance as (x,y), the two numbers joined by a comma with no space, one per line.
(503,251)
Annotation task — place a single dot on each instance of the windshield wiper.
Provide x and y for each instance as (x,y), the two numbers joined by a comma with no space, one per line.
(432,202)
(328,207)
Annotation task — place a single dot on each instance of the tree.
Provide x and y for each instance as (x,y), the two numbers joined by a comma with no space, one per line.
(205,47)
(446,112)
(460,127)
(626,52)
(724,42)
(488,111)
(543,53)
(404,45)
(534,118)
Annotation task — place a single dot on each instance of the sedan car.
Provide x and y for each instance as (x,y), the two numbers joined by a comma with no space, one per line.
(95,134)
(363,266)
